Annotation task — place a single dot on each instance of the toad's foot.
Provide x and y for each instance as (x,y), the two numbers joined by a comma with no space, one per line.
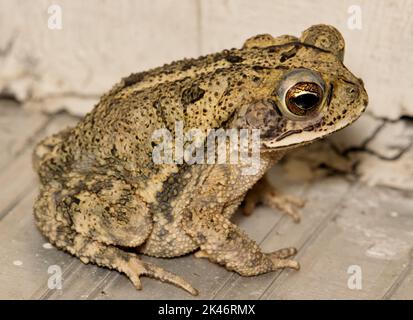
(280,254)
(278,258)
(224,243)
(128,263)
(284,253)
(264,193)
(134,268)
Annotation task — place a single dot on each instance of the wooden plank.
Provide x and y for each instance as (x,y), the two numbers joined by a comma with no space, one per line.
(23,258)
(404,289)
(74,285)
(17,127)
(372,231)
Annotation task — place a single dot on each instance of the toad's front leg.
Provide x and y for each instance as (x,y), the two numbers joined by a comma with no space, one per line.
(223,242)
(264,192)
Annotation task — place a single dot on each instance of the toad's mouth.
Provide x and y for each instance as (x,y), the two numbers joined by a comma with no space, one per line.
(295,137)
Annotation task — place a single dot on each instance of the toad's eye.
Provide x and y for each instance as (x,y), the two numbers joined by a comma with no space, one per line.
(301,93)
(303,98)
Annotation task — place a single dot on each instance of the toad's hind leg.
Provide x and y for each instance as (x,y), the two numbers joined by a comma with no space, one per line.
(58,225)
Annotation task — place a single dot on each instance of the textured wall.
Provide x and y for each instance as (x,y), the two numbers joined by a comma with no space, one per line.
(101,41)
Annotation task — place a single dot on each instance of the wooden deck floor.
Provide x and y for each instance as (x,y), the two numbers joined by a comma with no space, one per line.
(346,226)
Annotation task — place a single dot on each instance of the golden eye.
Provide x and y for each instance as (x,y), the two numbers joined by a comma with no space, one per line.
(301,93)
(303,98)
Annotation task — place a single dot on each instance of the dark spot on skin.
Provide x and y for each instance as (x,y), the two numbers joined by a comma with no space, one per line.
(192,94)
(168,215)
(272,49)
(201,238)
(187,65)
(275,106)
(233,59)
(231,235)
(280,67)
(347,81)
(171,189)
(156,104)
(319,123)
(133,78)
(297,45)
(163,232)
(330,94)
(288,55)
(259,68)
(159,110)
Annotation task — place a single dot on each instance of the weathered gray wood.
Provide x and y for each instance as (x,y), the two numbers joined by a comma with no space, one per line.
(17,227)
(23,244)
(16,180)
(17,128)
(403,289)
